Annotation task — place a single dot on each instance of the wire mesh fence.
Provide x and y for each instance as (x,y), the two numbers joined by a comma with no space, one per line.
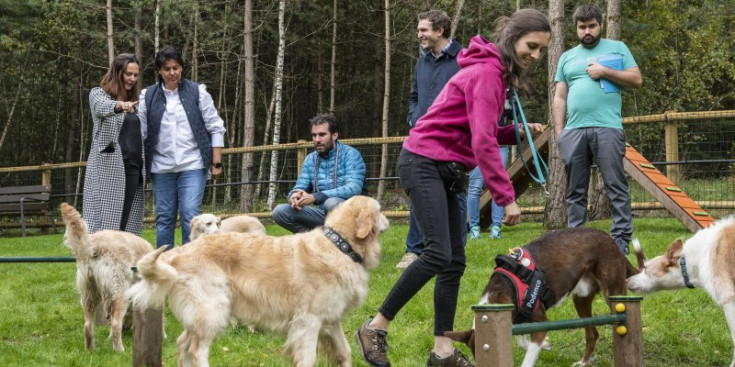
(695,149)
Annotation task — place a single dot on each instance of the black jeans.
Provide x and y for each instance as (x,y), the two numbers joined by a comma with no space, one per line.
(437,211)
(133,180)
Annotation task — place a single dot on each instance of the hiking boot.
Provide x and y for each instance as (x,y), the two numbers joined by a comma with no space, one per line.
(475,233)
(495,232)
(457,359)
(623,246)
(373,345)
(406,260)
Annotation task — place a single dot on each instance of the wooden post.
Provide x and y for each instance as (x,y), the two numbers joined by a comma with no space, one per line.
(300,156)
(493,340)
(672,148)
(147,335)
(629,346)
(45,181)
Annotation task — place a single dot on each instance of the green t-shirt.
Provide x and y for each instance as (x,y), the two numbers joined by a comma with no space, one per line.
(588,105)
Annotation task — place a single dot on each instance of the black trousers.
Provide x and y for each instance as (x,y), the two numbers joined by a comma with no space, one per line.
(427,183)
(133,180)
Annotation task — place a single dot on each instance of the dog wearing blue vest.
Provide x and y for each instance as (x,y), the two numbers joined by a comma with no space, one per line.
(581,262)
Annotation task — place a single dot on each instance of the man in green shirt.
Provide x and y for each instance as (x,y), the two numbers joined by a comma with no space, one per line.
(588,99)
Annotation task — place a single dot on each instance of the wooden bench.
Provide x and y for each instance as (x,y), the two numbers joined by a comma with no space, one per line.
(26,200)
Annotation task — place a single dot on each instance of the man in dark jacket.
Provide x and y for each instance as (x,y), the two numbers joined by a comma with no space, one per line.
(436,65)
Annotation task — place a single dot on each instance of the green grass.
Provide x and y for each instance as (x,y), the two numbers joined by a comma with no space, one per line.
(41,322)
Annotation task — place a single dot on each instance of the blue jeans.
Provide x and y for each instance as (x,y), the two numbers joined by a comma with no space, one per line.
(415,244)
(180,192)
(305,219)
(474,192)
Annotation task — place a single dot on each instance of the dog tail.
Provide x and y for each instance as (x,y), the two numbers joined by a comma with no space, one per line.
(639,253)
(76,236)
(158,278)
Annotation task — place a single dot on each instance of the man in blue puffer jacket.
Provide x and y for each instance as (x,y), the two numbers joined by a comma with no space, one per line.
(331,174)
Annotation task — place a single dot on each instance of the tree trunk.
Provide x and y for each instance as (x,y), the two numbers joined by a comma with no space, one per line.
(457,12)
(195,43)
(386,103)
(266,136)
(278,85)
(555,214)
(248,128)
(139,33)
(333,68)
(599,201)
(157,31)
(12,109)
(110,44)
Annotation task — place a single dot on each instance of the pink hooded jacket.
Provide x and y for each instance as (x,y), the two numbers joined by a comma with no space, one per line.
(462,124)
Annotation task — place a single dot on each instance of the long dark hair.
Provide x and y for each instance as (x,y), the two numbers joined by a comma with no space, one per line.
(508,30)
(113,82)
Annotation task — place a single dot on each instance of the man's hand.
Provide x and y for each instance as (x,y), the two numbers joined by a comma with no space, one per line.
(512,214)
(596,71)
(294,199)
(306,199)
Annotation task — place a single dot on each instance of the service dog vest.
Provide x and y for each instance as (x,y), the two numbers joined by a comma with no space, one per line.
(528,281)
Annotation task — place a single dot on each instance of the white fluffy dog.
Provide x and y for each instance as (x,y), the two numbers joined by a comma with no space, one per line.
(204,224)
(103,262)
(302,284)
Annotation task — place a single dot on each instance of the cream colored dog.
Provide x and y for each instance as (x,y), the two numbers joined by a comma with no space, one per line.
(204,224)
(103,262)
(302,284)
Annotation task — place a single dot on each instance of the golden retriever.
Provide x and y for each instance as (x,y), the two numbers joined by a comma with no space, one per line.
(206,223)
(301,284)
(103,263)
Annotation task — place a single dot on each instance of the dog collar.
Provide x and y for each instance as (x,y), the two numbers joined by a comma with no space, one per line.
(683,265)
(342,244)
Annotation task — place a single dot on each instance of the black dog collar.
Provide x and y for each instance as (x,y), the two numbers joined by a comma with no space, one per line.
(683,265)
(342,244)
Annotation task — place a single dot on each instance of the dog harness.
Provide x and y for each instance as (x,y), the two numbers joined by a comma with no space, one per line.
(341,244)
(528,281)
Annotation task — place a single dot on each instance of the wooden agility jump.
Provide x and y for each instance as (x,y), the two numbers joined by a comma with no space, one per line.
(493,331)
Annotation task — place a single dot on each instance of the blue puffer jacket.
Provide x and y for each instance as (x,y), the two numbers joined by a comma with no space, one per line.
(350,174)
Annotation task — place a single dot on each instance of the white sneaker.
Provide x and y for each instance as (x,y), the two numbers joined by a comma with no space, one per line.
(406,260)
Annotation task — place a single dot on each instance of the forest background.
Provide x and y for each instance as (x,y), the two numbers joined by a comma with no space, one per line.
(272,65)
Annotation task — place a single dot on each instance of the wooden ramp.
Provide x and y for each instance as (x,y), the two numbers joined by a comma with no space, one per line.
(639,168)
(669,195)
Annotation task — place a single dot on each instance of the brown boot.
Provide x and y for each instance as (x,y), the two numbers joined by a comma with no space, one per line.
(373,345)
(457,359)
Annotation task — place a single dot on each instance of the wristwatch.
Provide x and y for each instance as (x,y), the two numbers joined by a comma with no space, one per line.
(217,165)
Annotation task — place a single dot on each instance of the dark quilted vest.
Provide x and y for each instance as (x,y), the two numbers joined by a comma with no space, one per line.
(155,102)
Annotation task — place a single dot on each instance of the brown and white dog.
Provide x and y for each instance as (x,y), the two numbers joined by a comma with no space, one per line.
(302,284)
(577,261)
(103,262)
(207,223)
(705,260)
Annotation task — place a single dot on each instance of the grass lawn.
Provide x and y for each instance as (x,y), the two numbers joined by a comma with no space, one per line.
(41,322)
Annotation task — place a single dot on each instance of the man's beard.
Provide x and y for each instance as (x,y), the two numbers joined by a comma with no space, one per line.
(326,148)
(590,41)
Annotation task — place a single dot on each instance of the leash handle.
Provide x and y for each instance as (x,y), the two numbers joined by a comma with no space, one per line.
(540,167)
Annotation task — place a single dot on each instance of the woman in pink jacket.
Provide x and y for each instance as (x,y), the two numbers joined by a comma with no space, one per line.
(458,132)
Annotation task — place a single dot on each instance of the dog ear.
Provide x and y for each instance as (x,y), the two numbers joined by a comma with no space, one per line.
(365,222)
(674,251)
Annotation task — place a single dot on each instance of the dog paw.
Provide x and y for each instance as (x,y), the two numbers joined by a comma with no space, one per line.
(583,363)
(546,345)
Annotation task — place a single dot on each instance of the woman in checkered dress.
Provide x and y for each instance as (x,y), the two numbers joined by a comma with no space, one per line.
(114,180)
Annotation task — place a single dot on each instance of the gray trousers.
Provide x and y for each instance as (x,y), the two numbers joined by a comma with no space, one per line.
(578,147)
(307,218)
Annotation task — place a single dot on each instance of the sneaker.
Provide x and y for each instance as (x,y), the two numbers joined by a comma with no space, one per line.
(495,232)
(475,233)
(373,345)
(457,359)
(406,260)
(623,245)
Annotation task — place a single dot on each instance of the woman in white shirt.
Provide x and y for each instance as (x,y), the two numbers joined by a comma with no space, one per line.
(184,136)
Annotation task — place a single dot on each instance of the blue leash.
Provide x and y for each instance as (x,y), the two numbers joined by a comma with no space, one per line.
(542,170)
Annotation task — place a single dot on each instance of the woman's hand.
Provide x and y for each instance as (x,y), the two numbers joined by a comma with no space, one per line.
(512,214)
(535,129)
(126,106)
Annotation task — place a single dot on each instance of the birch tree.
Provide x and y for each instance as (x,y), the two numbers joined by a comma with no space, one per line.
(386,103)
(555,214)
(248,128)
(278,85)
(333,64)
(110,43)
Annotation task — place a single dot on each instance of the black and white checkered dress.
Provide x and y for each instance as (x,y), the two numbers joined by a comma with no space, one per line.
(104,180)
